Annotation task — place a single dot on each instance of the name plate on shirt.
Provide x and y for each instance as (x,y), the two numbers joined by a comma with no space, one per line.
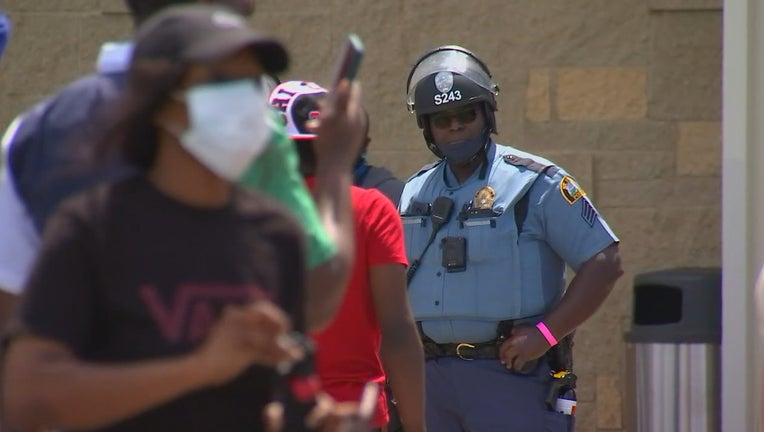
(480,222)
(414,220)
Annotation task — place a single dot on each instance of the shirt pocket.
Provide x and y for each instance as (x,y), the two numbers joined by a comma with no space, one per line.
(416,230)
(492,273)
(490,239)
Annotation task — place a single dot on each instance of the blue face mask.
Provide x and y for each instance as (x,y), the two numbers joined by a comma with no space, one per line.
(462,151)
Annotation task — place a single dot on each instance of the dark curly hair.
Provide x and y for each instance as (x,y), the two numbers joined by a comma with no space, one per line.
(130,133)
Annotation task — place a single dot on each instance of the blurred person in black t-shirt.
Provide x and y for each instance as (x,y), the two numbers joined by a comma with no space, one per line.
(161,302)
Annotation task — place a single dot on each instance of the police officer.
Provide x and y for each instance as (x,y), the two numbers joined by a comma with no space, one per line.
(489,230)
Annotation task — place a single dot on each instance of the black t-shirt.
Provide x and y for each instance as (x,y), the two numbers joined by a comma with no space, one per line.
(127,273)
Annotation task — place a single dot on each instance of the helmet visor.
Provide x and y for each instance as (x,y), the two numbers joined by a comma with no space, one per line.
(450,61)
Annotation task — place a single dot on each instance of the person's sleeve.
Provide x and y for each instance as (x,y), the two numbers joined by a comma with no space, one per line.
(572,225)
(57,302)
(275,173)
(19,239)
(384,232)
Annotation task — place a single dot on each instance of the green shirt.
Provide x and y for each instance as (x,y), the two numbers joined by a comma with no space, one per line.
(276,173)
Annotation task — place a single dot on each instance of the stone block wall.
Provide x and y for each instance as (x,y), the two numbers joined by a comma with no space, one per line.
(625,94)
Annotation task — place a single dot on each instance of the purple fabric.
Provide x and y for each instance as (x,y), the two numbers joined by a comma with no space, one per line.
(5,32)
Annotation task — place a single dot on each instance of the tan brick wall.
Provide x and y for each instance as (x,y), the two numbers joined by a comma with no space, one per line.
(625,94)
(601,93)
(538,105)
(698,149)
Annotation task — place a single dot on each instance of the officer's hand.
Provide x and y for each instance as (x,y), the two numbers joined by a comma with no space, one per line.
(524,344)
(341,129)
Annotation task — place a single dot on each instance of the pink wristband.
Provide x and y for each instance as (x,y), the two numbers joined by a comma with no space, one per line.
(547,334)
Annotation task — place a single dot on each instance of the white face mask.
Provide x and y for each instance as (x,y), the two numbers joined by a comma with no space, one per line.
(229,126)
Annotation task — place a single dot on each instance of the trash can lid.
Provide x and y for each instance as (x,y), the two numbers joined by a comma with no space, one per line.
(681,305)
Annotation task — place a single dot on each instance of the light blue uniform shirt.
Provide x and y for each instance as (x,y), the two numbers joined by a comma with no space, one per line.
(507,276)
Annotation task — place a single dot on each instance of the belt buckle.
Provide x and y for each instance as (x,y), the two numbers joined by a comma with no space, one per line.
(464,345)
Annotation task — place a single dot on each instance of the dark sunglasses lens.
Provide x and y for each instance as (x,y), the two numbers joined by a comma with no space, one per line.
(467,116)
(441,121)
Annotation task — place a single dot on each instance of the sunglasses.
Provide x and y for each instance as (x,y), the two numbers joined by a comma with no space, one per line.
(463,116)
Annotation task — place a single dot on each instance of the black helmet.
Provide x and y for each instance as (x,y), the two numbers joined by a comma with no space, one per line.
(449,77)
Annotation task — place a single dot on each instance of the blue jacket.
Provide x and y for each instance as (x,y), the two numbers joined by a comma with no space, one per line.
(49,153)
(48,156)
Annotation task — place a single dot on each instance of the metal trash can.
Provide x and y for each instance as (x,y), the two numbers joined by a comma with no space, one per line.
(673,352)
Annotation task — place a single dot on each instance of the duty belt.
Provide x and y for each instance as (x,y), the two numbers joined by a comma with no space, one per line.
(465,351)
(559,356)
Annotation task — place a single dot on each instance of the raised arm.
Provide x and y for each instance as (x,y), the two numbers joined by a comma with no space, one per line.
(340,136)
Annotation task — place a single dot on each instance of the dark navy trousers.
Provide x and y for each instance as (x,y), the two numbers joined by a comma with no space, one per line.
(483,396)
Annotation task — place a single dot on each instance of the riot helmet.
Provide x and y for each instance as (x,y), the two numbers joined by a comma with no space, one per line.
(449,77)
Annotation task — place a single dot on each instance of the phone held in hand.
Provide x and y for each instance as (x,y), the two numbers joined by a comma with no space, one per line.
(349,60)
(301,385)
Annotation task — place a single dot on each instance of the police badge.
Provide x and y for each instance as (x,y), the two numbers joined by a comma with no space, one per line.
(444,81)
(484,198)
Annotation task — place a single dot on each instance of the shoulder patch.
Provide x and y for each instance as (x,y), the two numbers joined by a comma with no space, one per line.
(549,170)
(570,190)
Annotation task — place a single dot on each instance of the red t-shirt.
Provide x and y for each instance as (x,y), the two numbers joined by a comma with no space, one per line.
(348,349)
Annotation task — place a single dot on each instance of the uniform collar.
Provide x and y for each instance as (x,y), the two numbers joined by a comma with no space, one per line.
(114,57)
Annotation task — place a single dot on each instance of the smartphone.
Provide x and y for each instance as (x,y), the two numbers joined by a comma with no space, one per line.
(349,60)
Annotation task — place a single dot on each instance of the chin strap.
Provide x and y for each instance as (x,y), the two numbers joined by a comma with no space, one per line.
(484,151)
(484,166)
